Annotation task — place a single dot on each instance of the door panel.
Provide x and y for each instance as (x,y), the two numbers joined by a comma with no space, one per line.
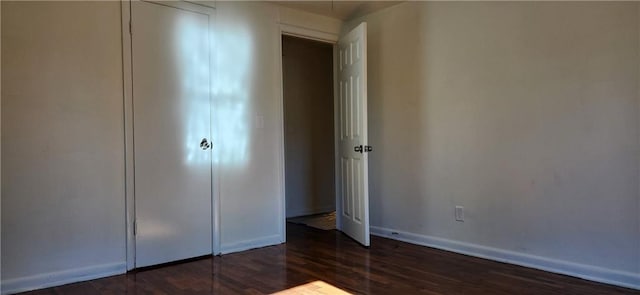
(171,106)
(352,95)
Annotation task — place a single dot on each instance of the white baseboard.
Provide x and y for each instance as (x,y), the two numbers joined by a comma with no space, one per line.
(587,272)
(252,244)
(58,278)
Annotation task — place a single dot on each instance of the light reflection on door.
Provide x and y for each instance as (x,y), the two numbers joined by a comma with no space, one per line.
(229,104)
(194,77)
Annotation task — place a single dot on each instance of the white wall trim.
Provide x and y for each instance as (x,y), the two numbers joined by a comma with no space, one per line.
(127,106)
(638,164)
(251,244)
(0,144)
(282,210)
(58,278)
(336,141)
(306,33)
(587,272)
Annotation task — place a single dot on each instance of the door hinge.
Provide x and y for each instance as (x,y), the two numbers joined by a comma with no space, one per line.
(135,227)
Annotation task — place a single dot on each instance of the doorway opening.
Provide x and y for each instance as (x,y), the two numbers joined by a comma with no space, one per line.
(309,141)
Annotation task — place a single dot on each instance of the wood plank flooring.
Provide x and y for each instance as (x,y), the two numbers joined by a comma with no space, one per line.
(388,267)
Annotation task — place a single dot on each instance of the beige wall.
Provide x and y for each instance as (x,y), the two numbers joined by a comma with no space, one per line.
(308,117)
(63,210)
(524,113)
(62,141)
(252,190)
(248,141)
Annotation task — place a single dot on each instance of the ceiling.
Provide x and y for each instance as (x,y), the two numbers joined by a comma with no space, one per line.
(339,9)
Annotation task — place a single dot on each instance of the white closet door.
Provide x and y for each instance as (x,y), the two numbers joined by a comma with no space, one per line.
(171,105)
(353,149)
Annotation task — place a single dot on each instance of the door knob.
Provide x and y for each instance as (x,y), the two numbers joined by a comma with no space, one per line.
(357,149)
(204,144)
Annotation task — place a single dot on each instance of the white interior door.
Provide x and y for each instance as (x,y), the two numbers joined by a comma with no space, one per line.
(171,51)
(352,107)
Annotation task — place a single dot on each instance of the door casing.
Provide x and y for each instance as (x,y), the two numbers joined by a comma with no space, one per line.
(332,39)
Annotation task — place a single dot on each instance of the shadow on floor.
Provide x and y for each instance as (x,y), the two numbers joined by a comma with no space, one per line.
(324,221)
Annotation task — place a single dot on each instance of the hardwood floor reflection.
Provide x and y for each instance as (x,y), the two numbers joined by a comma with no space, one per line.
(388,267)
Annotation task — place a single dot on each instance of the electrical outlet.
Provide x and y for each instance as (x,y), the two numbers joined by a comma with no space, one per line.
(459,213)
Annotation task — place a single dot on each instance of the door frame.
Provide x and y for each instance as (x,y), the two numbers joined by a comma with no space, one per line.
(325,37)
(129,128)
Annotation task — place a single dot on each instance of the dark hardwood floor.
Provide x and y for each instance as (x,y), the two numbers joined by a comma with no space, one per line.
(388,267)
